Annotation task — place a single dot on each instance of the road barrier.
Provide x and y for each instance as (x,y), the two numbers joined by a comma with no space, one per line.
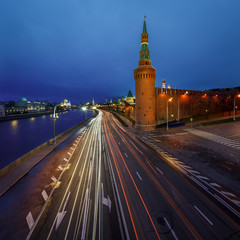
(25,157)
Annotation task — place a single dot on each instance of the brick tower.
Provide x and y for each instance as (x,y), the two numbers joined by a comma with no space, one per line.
(144,76)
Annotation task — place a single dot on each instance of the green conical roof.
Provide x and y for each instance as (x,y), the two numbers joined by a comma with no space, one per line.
(129,94)
(144,52)
(144,26)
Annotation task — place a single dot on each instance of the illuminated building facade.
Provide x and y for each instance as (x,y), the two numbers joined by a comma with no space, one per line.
(151,103)
(65,103)
(144,76)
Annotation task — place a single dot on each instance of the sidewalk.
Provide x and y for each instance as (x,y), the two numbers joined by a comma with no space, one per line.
(130,127)
(13,176)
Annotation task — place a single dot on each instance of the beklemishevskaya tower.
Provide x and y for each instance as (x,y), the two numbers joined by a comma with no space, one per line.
(144,76)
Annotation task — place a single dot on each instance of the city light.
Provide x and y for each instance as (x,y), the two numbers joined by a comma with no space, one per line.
(84,108)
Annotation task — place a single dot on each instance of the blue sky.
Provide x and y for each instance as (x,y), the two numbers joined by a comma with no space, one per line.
(51,49)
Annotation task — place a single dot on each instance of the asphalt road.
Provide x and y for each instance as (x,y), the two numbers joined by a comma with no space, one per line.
(107,184)
(159,202)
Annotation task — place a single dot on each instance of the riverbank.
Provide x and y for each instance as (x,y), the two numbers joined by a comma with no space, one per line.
(19,168)
(20,136)
(27,115)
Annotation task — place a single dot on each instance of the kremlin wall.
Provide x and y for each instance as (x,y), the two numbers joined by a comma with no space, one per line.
(153,105)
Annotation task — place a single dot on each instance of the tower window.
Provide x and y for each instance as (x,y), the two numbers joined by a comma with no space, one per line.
(144,115)
(142,93)
(146,63)
(139,108)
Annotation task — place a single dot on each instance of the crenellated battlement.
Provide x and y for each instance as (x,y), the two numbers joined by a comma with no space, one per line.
(172,92)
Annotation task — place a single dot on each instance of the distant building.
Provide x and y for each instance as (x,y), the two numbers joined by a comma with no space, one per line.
(130,98)
(163,83)
(144,76)
(23,105)
(152,102)
(65,103)
(2,110)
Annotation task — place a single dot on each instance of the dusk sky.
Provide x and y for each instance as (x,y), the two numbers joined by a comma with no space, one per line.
(52,49)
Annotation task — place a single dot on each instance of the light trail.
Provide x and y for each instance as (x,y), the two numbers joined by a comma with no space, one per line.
(120,180)
(154,168)
(162,190)
(139,194)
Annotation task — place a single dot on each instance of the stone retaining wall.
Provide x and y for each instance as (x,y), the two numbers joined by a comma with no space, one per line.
(22,159)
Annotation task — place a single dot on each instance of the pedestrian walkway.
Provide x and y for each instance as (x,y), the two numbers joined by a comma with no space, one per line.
(12,177)
(216,138)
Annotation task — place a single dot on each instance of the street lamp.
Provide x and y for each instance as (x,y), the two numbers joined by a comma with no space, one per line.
(234,108)
(178,108)
(169,100)
(55,117)
(84,108)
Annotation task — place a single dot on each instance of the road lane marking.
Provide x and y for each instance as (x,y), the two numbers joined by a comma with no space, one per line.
(45,196)
(60,167)
(172,231)
(88,136)
(196,181)
(116,193)
(227,205)
(106,201)
(54,179)
(185,166)
(73,148)
(139,176)
(85,216)
(69,153)
(118,143)
(203,215)
(65,159)
(30,220)
(236,202)
(228,194)
(202,177)
(193,171)
(159,170)
(126,155)
(215,185)
(74,144)
(61,214)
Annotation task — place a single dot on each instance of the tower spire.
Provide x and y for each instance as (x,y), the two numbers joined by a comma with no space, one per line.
(144,26)
(144,58)
(144,76)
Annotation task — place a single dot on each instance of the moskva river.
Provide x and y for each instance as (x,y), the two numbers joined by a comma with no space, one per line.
(17,137)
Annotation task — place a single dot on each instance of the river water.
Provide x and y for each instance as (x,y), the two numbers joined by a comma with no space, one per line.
(17,137)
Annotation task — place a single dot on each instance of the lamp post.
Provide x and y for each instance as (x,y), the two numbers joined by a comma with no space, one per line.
(84,108)
(55,117)
(178,109)
(234,106)
(125,115)
(169,100)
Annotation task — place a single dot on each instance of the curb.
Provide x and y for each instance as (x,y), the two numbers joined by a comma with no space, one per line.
(4,173)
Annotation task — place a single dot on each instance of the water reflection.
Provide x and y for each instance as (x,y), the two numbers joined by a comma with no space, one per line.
(20,136)
(14,124)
